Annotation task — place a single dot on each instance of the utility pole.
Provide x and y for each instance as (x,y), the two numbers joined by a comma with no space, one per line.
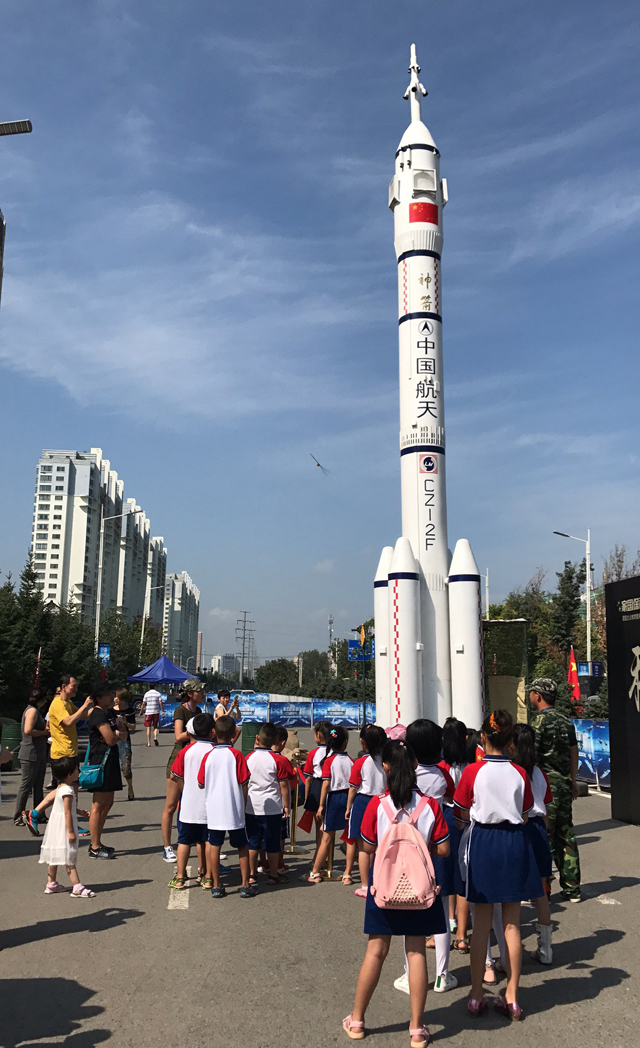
(244,633)
(330,631)
(300,662)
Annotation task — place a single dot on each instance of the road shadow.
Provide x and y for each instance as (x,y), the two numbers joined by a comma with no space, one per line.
(595,827)
(614,884)
(98,921)
(46,1010)
(112,886)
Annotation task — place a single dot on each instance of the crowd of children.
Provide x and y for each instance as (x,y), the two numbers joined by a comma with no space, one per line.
(447,826)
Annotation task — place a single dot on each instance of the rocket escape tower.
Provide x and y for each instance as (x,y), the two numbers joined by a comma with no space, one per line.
(426,604)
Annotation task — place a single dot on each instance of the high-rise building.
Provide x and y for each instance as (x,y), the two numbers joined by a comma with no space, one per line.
(216,663)
(181,615)
(230,665)
(76,492)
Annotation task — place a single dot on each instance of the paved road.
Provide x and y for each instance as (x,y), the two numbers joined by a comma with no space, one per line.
(128,969)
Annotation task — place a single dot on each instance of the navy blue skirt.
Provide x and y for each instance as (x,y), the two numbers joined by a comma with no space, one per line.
(357,811)
(335,812)
(402,922)
(536,831)
(312,802)
(502,864)
(444,869)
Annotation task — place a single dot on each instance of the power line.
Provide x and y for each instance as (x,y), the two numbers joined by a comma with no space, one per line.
(244,634)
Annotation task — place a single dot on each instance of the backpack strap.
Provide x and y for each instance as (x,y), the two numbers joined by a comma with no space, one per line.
(418,810)
(85,762)
(388,810)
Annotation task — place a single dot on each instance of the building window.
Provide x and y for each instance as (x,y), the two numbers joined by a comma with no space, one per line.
(43,499)
(58,498)
(55,556)
(56,527)
(41,545)
(45,487)
(59,469)
(52,576)
(46,469)
(43,516)
(55,545)
(59,487)
(53,585)
(57,516)
(40,556)
(40,585)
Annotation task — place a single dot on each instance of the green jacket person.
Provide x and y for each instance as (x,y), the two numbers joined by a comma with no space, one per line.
(557,754)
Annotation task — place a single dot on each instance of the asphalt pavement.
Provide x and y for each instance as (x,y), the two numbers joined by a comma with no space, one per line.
(141,966)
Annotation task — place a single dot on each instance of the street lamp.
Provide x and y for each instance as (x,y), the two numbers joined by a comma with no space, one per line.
(486,593)
(587,542)
(144,617)
(116,516)
(186,665)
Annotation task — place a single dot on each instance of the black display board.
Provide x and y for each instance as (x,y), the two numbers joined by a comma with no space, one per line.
(622,601)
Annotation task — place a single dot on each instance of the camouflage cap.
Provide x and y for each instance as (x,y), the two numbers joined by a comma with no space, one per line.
(192,684)
(545,687)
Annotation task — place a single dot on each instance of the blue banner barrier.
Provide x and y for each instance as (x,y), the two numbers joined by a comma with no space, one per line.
(291,714)
(371,712)
(253,708)
(345,713)
(594,763)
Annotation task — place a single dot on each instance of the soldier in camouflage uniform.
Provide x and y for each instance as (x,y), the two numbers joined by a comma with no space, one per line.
(557,750)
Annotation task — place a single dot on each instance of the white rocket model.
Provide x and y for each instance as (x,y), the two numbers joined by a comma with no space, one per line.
(413,643)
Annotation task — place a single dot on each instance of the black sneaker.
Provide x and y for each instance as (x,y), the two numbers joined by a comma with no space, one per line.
(248,892)
(108,848)
(101,853)
(155,742)
(218,893)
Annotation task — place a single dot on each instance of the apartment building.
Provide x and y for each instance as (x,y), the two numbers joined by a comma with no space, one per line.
(181,617)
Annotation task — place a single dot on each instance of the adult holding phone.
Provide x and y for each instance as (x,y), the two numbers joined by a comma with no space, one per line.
(227,708)
(106,729)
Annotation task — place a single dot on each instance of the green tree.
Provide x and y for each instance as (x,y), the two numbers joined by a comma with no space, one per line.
(565,611)
(315,666)
(124,639)
(279,676)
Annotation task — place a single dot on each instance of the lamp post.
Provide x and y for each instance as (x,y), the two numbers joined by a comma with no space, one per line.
(587,542)
(144,617)
(116,516)
(186,665)
(486,593)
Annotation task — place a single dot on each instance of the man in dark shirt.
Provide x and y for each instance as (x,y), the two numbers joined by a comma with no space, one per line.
(557,752)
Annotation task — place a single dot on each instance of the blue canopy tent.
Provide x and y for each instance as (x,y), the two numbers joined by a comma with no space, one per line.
(162,671)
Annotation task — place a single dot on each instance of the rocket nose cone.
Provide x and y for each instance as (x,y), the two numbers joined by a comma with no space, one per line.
(403,558)
(463,561)
(384,564)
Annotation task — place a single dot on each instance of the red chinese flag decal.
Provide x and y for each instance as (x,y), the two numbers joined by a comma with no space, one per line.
(423,212)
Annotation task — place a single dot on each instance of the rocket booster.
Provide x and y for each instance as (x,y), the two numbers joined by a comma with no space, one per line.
(417,197)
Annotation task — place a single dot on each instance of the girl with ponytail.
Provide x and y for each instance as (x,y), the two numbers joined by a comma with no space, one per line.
(401,801)
(494,796)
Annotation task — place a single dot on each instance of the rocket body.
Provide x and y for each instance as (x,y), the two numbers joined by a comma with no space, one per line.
(418,623)
(383,653)
(417,198)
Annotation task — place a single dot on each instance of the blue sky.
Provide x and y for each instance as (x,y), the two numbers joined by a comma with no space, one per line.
(200,279)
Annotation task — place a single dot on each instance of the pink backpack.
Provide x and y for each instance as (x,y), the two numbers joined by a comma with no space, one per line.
(403,875)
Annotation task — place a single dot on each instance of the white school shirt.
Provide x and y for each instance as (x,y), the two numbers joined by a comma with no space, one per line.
(223,772)
(368,775)
(336,769)
(541,792)
(267,770)
(430,825)
(494,790)
(434,781)
(313,764)
(193,806)
(152,702)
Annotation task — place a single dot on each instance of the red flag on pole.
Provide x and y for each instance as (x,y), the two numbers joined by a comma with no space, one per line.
(573,679)
(36,672)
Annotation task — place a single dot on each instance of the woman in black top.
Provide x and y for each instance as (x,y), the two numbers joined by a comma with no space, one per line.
(106,730)
(32,754)
(125,709)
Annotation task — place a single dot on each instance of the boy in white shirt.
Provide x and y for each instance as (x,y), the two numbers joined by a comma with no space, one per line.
(192,813)
(224,777)
(268,799)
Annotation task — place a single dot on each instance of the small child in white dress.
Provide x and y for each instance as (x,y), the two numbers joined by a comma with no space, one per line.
(60,844)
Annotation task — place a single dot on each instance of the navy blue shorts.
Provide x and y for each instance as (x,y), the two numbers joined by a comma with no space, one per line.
(335,817)
(444,868)
(284,829)
(192,833)
(263,830)
(312,802)
(237,838)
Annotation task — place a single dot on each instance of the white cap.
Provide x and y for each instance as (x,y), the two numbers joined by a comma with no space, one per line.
(190,728)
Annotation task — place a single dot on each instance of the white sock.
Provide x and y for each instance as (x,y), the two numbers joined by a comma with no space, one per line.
(443,944)
(498,931)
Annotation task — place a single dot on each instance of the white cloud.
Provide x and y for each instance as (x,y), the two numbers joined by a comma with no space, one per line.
(223,614)
(324,567)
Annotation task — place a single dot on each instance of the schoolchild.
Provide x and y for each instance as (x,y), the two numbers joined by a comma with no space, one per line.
(424,737)
(454,761)
(494,797)
(336,769)
(192,813)
(312,772)
(523,752)
(268,800)
(282,736)
(60,844)
(403,802)
(367,780)
(224,777)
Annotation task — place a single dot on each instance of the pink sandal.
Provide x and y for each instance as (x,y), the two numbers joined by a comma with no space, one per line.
(53,888)
(80,892)
(361,892)
(422,1032)
(353,1029)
